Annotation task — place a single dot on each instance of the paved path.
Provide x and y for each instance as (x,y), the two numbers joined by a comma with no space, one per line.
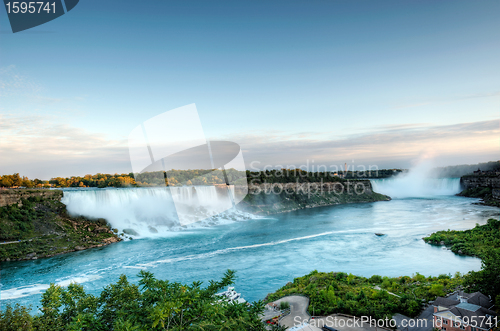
(378,288)
(10,242)
(298,310)
(268,314)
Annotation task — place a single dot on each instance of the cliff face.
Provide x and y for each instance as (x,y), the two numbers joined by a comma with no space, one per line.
(484,186)
(475,181)
(35,224)
(276,198)
(10,197)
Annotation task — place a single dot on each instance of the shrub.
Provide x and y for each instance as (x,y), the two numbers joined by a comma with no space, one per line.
(376,279)
(284,305)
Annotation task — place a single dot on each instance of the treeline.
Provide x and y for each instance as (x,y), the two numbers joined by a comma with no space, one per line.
(192,177)
(152,305)
(16,180)
(466,169)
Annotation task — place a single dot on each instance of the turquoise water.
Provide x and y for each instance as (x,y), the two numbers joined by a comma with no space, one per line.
(269,252)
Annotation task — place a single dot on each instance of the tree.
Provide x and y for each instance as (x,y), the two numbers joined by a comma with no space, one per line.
(487,280)
(152,305)
(6,181)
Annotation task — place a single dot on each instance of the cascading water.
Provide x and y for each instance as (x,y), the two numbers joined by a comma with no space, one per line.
(151,212)
(420,181)
(411,187)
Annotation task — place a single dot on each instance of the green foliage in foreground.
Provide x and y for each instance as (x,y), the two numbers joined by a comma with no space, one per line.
(487,280)
(346,293)
(482,241)
(473,242)
(153,305)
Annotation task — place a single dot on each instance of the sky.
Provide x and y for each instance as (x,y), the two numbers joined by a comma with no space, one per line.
(384,83)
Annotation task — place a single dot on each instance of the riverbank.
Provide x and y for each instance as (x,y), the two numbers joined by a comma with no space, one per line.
(485,186)
(482,241)
(35,224)
(473,242)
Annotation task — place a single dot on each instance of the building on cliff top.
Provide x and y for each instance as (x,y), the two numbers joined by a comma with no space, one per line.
(468,312)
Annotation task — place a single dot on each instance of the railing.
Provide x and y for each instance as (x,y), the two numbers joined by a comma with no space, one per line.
(285,313)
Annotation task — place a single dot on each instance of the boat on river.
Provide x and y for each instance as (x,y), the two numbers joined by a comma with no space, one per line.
(231,295)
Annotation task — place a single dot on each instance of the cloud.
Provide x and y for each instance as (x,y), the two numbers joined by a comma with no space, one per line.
(12,82)
(39,146)
(389,147)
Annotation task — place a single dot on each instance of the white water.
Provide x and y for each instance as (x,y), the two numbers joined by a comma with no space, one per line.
(407,187)
(419,182)
(151,212)
(28,290)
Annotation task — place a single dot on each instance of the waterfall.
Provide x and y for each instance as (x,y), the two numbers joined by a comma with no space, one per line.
(415,186)
(419,181)
(150,212)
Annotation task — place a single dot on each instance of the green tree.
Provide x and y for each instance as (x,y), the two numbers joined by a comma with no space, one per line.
(487,280)
(152,305)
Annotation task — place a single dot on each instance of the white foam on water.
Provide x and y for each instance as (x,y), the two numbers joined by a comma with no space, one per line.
(416,183)
(231,249)
(150,212)
(24,291)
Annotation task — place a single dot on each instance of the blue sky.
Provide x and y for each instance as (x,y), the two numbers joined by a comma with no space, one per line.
(377,82)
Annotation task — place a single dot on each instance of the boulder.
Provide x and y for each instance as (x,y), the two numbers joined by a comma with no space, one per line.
(131,232)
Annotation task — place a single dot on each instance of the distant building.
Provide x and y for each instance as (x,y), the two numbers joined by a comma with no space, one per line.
(469,312)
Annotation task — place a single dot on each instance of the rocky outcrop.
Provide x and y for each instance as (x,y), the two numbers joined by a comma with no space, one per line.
(485,186)
(35,224)
(276,198)
(12,196)
(475,181)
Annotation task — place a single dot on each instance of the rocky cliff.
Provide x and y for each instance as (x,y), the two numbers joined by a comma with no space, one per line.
(276,198)
(10,197)
(35,224)
(485,186)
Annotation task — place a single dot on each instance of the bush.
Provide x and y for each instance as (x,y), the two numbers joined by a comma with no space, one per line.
(376,279)
(284,305)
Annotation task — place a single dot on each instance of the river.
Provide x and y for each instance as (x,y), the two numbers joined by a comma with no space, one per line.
(266,252)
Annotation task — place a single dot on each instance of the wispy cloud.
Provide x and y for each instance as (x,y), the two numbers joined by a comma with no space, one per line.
(447,99)
(12,82)
(40,146)
(389,146)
